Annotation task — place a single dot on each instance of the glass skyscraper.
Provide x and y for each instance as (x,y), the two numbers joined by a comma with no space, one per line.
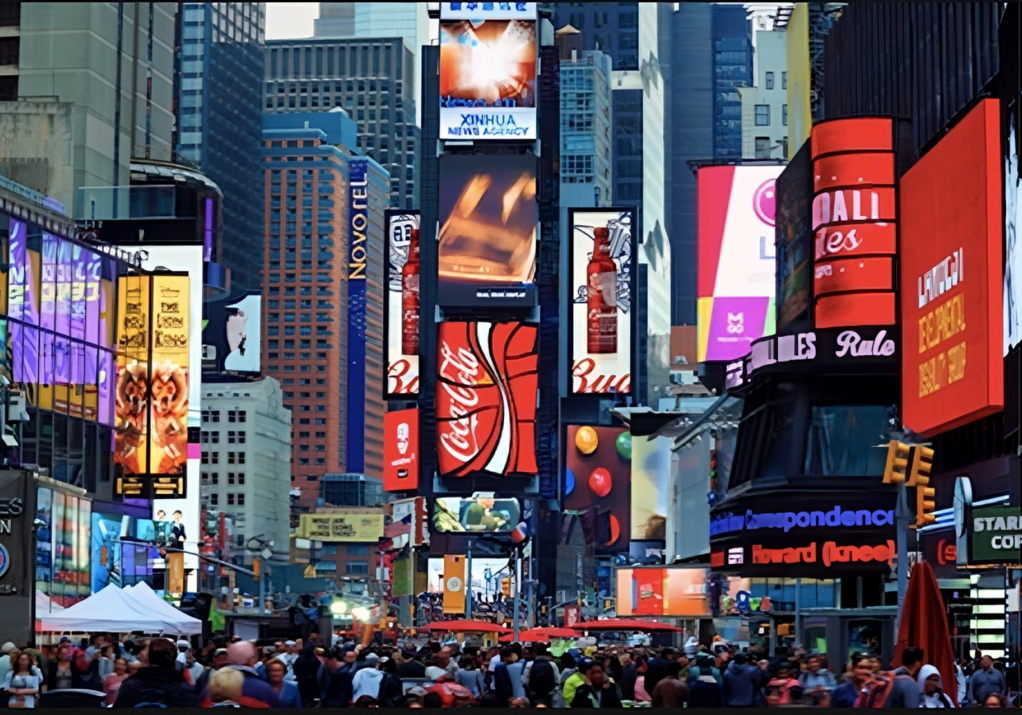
(221,47)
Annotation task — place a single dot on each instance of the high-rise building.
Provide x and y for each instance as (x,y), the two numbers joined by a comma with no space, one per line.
(246,469)
(610,27)
(324,236)
(765,105)
(371,79)
(407,20)
(219,96)
(732,68)
(83,115)
(586,157)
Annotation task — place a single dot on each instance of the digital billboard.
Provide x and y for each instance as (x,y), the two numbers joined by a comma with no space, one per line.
(401,303)
(486,394)
(795,239)
(598,475)
(601,298)
(854,221)
(483,512)
(232,337)
(1013,251)
(736,280)
(676,591)
(488,63)
(488,230)
(951,202)
(354,526)
(401,450)
(651,478)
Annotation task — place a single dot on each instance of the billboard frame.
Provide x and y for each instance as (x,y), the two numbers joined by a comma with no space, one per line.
(633,287)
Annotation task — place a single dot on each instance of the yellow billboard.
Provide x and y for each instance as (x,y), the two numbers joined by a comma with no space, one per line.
(357,527)
(800,116)
(131,394)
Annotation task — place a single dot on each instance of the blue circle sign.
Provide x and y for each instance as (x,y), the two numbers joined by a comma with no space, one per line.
(5,560)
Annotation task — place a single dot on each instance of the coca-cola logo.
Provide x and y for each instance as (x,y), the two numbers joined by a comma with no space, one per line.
(486,399)
(764,201)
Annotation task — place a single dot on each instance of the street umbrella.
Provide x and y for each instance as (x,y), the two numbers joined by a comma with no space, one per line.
(539,635)
(924,625)
(464,626)
(624,624)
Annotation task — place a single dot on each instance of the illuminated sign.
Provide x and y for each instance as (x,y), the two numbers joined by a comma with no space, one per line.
(481,512)
(488,63)
(487,383)
(601,292)
(358,197)
(489,217)
(401,450)
(337,527)
(995,535)
(401,303)
(736,280)
(597,475)
(232,337)
(868,348)
(854,218)
(952,370)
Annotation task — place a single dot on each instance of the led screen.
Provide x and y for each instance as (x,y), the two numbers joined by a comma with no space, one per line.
(662,592)
(401,450)
(401,307)
(231,337)
(479,513)
(1013,251)
(736,279)
(601,297)
(488,230)
(487,383)
(488,78)
(597,480)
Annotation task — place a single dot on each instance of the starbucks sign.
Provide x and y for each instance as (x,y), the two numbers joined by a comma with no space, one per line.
(995,535)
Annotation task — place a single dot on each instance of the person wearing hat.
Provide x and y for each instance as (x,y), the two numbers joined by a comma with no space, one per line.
(5,659)
(288,656)
(218,661)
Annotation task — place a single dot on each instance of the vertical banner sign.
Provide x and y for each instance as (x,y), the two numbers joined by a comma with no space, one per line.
(854,215)
(401,450)
(951,250)
(454,578)
(169,380)
(176,572)
(602,288)
(131,394)
(486,394)
(401,305)
(358,172)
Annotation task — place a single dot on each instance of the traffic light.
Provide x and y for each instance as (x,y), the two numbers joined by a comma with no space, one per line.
(257,569)
(922,461)
(897,462)
(505,586)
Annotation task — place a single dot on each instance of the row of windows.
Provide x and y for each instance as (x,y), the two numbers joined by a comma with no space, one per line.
(304,461)
(232,415)
(233,499)
(334,60)
(305,435)
(770,80)
(214,437)
(232,478)
(763,115)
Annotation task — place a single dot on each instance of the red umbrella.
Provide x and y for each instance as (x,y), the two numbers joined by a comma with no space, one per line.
(924,625)
(464,626)
(624,624)
(539,635)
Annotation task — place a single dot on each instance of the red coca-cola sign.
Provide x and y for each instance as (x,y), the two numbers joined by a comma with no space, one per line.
(486,399)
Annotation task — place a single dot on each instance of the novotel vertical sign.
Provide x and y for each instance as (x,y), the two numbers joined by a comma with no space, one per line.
(854,214)
(358,210)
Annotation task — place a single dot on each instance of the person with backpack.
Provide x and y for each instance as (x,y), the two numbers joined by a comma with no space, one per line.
(846,694)
(894,689)
(541,675)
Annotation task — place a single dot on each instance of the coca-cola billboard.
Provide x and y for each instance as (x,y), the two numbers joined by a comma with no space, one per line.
(401,304)
(486,391)
(601,298)
(401,450)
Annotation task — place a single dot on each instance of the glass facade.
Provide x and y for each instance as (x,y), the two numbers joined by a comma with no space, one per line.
(370,79)
(586,124)
(732,68)
(219,132)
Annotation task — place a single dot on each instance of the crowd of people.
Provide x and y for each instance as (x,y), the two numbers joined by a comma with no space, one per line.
(163,673)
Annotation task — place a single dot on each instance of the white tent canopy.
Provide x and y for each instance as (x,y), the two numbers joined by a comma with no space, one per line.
(117,611)
(146,597)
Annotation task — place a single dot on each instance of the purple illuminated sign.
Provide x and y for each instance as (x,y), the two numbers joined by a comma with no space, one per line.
(207,231)
(48,287)
(65,255)
(94,273)
(734,324)
(78,286)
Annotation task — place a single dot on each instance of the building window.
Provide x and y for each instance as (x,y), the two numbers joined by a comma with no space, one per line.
(214,458)
(356,567)
(230,437)
(762,115)
(230,500)
(241,499)
(784,80)
(241,478)
(241,438)
(241,457)
(784,115)
(762,147)
(328,550)
(214,499)
(357,549)
(230,477)
(769,80)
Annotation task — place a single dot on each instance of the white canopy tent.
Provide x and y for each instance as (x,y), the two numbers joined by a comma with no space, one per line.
(146,597)
(114,610)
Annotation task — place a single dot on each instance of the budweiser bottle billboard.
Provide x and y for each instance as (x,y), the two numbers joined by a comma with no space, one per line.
(410,298)
(486,398)
(601,282)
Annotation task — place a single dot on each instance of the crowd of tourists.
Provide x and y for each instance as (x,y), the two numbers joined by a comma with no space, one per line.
(163,673)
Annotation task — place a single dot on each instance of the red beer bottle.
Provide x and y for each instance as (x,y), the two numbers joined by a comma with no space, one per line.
(601,281)
(410,298)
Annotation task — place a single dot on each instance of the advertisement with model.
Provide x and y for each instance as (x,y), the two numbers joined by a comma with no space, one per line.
(486,395)
(401,303)
(736,281)
(601,292)
(488,63)
(231,337)
(488,230)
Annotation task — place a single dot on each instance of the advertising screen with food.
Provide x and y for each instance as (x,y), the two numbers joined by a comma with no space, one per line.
(598,481)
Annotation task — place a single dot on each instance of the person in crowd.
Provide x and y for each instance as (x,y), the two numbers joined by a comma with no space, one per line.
(777,689)
(515,668)
(502,685)
(436,668)
(5,659)
(670,691)
(288,656)
(846,694)
(626,678)
(63,675)
(23,682)
(225,687)
(470,676)
(597,691)
(931,689)
(338,691)
(657,669)
(409,665)
(905,691)
(986,681)
(157,682)
(816,676)
(112,682)
(255,692)
(521,702)
(306,670)
(366,681)
(218,660)
(286,690)
(641,694)
(995,700)
(540,675)
(704,692)
(743,683)
(704,664)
